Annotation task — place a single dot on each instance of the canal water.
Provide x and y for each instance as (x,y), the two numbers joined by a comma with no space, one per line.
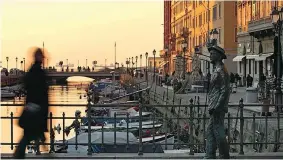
(72,93)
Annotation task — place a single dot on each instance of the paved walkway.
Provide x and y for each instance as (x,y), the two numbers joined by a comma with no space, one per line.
(234,97)
(274,155)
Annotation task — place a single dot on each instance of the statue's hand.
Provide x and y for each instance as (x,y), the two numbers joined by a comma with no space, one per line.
(210,111)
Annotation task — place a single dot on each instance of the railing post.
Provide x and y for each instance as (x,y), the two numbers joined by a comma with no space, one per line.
(140,125)
(178,124)
(191,127)
(166,130)
(12,130)
(254,131)
(241,105)
(266,128)
(127,147)
(204,131)
(229,128)
(63,117)
(115,128)
(102,136)
(198,103)
(153,124)
(278,130)
(89,152)
(52,134)
(76,134)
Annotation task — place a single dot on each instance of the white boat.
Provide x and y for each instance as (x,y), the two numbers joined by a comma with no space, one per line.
(161,140)
(111,126)
(7,94)
(108,139)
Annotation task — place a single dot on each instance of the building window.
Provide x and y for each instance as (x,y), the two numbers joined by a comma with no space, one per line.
(204,18)
(196,21)
(235,34)
(200,20)
(235,9)
(219,10)
(219,35)
(199,40)
(209,15)
(214,14)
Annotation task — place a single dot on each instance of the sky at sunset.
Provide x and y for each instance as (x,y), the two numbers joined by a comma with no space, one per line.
(80,30)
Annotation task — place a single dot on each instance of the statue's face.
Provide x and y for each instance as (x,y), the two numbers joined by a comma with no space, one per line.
(215,56)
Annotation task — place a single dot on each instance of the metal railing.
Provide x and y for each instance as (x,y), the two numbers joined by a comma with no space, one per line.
(191,114)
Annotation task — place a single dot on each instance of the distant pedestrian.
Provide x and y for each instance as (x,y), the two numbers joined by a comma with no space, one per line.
(34,116)
(249,81)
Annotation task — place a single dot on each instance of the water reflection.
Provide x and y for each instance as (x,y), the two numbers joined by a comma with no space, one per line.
(73,93)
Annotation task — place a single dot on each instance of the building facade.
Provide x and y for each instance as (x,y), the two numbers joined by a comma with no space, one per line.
(255,38)
(192,21)
(158,64)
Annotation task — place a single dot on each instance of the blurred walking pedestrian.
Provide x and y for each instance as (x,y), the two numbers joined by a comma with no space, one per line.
(34,116)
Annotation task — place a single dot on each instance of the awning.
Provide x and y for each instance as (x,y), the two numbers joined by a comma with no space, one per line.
(252,56)
(238,58)
(263,57)
(163,63)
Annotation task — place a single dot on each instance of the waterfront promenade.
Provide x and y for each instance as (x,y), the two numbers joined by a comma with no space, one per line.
(184,155)
(160,92)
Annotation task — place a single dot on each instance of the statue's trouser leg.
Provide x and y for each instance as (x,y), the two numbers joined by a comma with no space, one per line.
(219,134)
(210,141)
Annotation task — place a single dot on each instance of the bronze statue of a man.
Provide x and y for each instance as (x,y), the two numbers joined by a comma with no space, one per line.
(218,99)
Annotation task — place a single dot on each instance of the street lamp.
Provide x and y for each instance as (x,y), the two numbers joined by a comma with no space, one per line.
(184,47)
(277,18)
(127,63)
(132,63)
(146,55)
(137,62)
(24,64)
(154,52)
(16,62)
(214,36)
(7,59)
(21,65)
(166,58)
(140,64)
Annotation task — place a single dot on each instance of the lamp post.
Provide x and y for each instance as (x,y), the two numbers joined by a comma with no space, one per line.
(277,19)
(154,52)
(140,65)
(184,47)
(166,58)
(146,55)
(132,63)
(16,62)
(7,59)
(24,64)
(214,36)
(21,65)
(213,41)
(85,63)
(137,62)
(127,64)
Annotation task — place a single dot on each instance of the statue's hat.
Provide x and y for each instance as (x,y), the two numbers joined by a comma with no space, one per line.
(219,50)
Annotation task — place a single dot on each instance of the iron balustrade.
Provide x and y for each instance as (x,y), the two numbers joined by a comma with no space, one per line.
(193,116)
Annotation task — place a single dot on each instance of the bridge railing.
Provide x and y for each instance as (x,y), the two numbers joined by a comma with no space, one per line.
(171,117)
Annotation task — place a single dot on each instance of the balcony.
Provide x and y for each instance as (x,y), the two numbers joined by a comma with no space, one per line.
(260,25)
